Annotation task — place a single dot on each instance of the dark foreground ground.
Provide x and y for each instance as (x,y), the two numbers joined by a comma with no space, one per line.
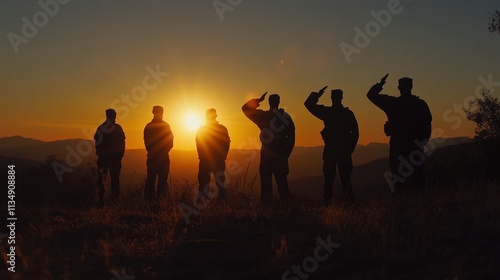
(452,232)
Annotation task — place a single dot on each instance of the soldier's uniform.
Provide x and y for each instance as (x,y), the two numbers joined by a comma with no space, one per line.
(340,136)
(277,135)
(110,147)
(159,140)
(409,126)
(212,144)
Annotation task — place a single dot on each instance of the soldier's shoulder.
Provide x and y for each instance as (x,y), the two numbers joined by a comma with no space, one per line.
(120,129)
(221,126)
(422,101)
(285,114)
(148,125)
(101,126)
(201,129)
(348,111)
(118,126)
(164,124)
(419,100)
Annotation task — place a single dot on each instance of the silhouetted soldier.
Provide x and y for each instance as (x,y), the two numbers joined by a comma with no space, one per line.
(277,135)
(212,143)
(340,135)
(409,126)
(110,147)
(159,140)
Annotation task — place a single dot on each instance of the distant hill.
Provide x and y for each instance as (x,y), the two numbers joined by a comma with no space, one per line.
(19,163)
(367,179)
(32,149)
(305,162)
(18,142)
(454,161)
(444,142)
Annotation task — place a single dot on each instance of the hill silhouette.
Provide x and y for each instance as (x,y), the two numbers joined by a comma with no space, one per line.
(305,162)
(367,179)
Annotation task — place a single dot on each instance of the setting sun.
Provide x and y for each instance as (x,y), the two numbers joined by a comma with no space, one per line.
(192,121)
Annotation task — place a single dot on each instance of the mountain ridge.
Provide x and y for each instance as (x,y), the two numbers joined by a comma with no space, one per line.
(304,161)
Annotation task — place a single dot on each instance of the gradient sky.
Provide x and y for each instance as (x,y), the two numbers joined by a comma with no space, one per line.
(91,53)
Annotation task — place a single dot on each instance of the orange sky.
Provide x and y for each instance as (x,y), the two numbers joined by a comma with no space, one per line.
(92,56)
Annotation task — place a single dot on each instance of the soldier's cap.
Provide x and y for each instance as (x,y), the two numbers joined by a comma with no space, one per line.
(211,113)
(157,110)
(110,112)
(337,92)
(274,98)
(405,81)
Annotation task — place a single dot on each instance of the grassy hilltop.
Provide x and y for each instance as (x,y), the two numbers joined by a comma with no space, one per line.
(450,232)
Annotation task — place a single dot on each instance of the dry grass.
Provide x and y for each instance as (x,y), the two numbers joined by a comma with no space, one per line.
(450,232)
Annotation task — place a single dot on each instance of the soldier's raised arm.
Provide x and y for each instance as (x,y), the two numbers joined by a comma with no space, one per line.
(374,93)
(312,106)
(250,107)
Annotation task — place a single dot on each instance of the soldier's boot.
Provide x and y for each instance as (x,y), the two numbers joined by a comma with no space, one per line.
(114,198)
(100,202)
(348,195)
(222,195)
(327,200)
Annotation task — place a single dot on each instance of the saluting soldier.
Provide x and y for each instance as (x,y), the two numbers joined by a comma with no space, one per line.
(340,136)
(277,135)
(409,128)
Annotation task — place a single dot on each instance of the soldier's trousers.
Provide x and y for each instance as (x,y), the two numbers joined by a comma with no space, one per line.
(114,167)
(277,166)
(158,168)
(332,161)
(406,160)
(217,168)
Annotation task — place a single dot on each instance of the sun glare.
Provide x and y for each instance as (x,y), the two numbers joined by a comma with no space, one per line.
(192,121)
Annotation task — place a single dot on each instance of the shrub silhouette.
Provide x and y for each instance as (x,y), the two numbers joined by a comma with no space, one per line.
(495,22)
(485,112)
